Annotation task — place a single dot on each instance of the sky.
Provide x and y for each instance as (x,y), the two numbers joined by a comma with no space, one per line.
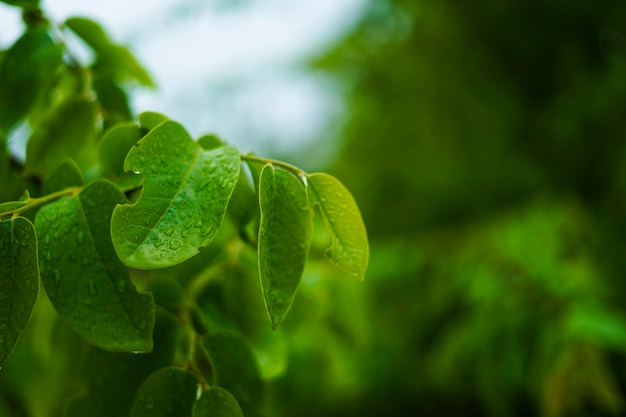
(232,67)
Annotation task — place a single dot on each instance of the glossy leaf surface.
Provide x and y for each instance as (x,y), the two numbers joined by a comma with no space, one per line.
(88,285)
(168,392)
(284,239)
(148,120)
(217,402)
(64,132)
(19,280)
(25,73)
(184,199)
(349,250)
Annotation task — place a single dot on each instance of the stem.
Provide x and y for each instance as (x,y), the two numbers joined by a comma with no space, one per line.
(34,202)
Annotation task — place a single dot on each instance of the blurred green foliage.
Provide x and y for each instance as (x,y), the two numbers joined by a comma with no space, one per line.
(485,144)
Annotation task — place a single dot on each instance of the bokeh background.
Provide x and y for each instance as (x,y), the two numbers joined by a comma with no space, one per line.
(485,143)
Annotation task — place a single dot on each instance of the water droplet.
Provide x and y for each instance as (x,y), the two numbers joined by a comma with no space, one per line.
(48,256)
(184,233)
(169,232)
(47,240)
(157,243)
(203,185)
(80,238)
(198,224)
(88,327)
(207,231)
(142,160)
(175,244)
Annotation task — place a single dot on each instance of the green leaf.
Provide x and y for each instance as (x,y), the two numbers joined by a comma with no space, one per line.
(65,176)
(64,132)
(236,369)
(209,142)
(19,280)
(114,60)
(112,379)
(349,250)
(284,238)
(217,402)
(89,287)
(150,119)
(185,194)
(26,73)
(116,144)
(27,4)
(168,392)
(113,100)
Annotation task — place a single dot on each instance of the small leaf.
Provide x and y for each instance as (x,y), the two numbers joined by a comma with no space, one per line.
(209,142)
(150,119)
(349,250)
(284,239)
(26,73)
(185,194)
(168,392)
(236,369)
(217,402)
(113,100)
(116,144)
(19,280)
(111,59)
(64,132)
(87,284)
(65,176)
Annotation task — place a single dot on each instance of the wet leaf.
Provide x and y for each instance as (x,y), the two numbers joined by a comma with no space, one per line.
(284,239)
(349,250)
(19,280)
(150,119)
(26,73)
(66,132)
(88,285)
(217,402)
(185,194)
(168,392)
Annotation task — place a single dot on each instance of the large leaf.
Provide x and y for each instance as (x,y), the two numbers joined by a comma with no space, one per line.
(31,4)
(19,280)
(185,195)
(236,369)
(64,132)
(88,285)
(349,250)
(284,238)
(217,402)
(168,392)
(26,72)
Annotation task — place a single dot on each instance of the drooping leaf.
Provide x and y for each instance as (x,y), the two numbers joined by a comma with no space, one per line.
(236,369)
(88,285)
(89,31)
(217,402)
(116,144)
(66,175)
(284,238)
(19,280)
(349,250)
(148,120)
(185,194)
(26,73)
(66,132)
(112,379)
(168,392)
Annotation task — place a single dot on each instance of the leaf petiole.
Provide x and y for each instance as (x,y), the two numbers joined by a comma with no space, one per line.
(31,203)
